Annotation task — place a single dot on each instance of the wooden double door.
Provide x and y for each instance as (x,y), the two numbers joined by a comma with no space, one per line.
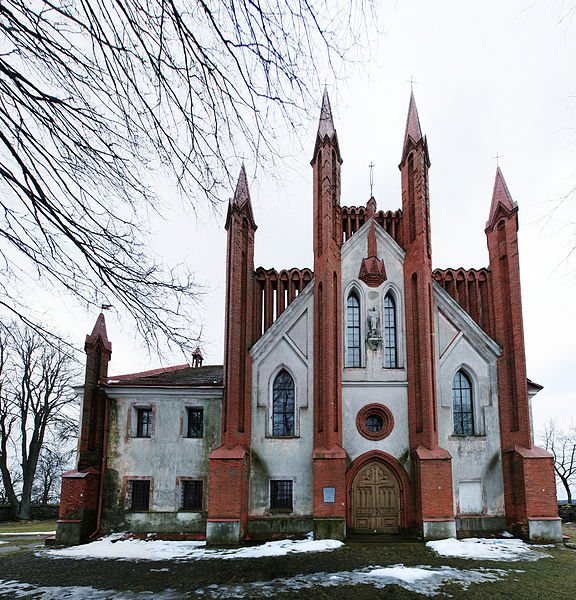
(375,498)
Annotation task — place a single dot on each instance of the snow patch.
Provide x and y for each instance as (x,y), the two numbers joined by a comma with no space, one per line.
(19,533)
(16,589)
(113,546)
(486,549)
(506,534)
(422,579)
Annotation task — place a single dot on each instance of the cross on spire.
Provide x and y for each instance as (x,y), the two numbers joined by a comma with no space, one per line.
(371,167)
(411,82)
(497,157)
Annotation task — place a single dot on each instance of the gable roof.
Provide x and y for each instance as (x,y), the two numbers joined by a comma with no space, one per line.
(182,375)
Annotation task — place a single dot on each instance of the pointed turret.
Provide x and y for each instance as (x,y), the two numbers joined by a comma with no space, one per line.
(241,199)
(98,352)
(500,198)
(413,134)
(99,330)
(412,122)
(326,130)
(326,124)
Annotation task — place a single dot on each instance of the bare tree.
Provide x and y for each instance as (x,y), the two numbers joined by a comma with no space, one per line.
(54,460)
(96,93)
(35,396)
(561,443)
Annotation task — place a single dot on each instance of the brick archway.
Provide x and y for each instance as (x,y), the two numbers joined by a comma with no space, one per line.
(398,471)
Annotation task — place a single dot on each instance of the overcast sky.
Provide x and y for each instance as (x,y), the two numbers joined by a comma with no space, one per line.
(493,77)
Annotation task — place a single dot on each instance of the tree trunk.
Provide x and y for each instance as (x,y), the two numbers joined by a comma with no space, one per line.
(566,485)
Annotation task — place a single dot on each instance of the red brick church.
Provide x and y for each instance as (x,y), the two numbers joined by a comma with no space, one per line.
(368,395)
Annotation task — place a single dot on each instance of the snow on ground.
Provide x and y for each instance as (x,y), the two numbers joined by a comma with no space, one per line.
(486,549)
(19,533)
(16,589)
(113,546)
(423,580)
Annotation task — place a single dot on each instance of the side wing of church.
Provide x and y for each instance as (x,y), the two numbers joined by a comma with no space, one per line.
(370,395)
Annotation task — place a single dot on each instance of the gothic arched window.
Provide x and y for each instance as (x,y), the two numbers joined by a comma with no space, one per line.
(353,330)
(390,340)
(283,405)
(462,404)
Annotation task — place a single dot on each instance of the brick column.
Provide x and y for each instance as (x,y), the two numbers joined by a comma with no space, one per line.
(230,463)
(431,465)
(528,471)
(329,468)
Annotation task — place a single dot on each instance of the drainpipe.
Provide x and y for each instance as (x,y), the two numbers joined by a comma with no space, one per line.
(102,467)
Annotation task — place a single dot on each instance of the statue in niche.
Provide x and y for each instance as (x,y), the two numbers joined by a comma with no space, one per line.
(374,322)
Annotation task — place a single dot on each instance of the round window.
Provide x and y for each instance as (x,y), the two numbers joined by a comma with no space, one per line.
(375,421)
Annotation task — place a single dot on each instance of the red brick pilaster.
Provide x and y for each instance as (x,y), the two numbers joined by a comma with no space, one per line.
(98,352)
(328,457)
(433,496)
(229,464)
(528,472)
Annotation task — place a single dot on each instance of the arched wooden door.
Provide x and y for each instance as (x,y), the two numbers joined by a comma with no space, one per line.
(375,500)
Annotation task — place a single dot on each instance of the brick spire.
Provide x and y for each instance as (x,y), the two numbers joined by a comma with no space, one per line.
(241,199)
(413,134)
(326,124)
(99,331)
(412,122)
(326,130)
(500,197)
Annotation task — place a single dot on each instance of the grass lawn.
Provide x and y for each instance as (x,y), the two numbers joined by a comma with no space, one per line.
(26,526)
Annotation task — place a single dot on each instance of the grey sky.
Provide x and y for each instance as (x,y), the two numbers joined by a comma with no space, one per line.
(492,77)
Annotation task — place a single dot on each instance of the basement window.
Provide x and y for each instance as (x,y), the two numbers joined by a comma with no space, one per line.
(281,494)
(191,494)
(138,494)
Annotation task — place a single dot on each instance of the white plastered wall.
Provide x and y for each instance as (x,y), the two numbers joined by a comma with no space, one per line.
(166,455)
(372,382)
(287,344)
(476,459)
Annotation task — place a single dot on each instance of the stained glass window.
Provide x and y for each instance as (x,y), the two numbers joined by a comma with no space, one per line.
(462,405)
(390,342)
(353,331)
(283,405)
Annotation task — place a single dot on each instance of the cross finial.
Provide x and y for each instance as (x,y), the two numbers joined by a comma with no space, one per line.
(497,157)
(371,167)
(106,307)
(411,82)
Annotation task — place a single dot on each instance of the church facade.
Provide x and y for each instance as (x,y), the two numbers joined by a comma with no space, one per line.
(370,395)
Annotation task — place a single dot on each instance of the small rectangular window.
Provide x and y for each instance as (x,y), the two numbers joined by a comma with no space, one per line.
(192,494)
(195,426)
(139,494)
(144,422)
(281,494)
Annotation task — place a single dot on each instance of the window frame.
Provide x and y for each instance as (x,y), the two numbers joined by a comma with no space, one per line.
(274,379)
(273,488)
(132,431)
(392,297)
(186,426)
(354,290)
(471,429)
(129,482)
(390,289)
(184,483)
(144,425)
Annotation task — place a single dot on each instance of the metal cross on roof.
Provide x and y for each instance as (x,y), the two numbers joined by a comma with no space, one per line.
(371,167)
(497,157)
(411,82)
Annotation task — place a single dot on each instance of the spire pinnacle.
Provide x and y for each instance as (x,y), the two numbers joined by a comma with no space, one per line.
(326,124)
(241,195)
(372,271)
(99,331)
(500,196)
(412,122)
